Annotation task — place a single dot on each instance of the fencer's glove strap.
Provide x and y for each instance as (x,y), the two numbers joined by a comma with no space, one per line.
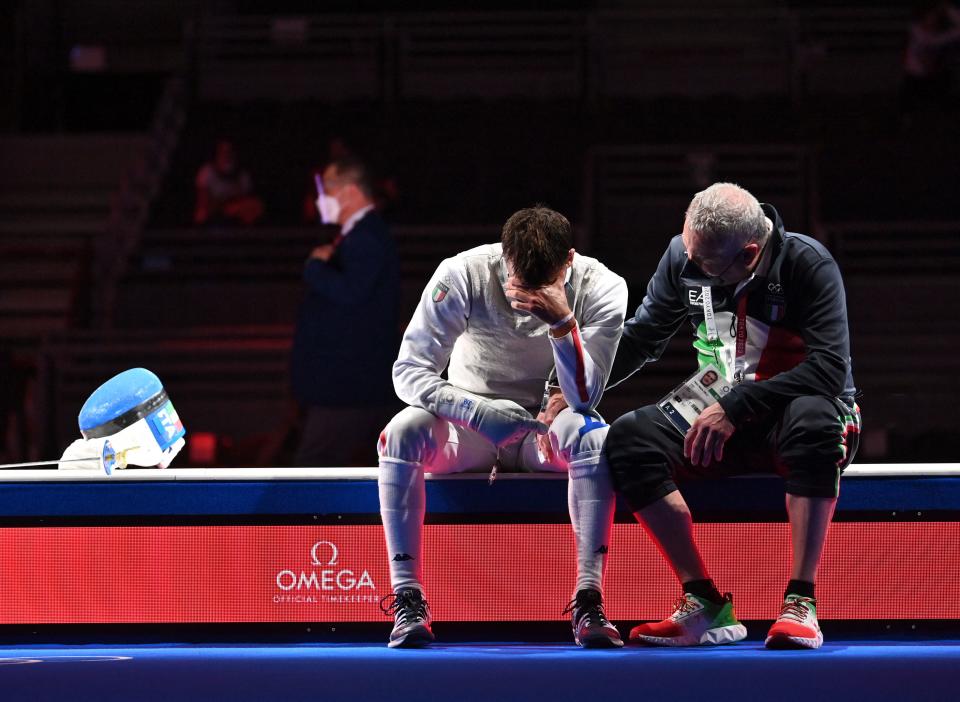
(502,422)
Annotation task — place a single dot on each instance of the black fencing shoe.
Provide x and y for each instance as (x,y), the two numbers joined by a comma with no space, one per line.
(411,618)
(591,628)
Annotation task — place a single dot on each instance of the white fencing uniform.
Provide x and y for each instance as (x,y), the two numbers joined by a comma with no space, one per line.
(464,323)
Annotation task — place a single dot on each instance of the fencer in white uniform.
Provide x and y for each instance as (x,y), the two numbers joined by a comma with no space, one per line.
(499,359)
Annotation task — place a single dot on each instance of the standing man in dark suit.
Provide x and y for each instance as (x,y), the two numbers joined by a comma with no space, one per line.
(347,331)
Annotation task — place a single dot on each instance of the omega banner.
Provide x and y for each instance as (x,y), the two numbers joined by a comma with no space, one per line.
(488,572)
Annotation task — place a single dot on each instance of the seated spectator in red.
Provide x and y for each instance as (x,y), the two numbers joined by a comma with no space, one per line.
(225,190)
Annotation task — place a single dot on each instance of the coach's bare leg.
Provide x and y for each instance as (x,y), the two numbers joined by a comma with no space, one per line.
(809,521)
(670,525)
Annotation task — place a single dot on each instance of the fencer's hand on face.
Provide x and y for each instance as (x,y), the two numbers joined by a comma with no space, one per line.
(323,253)
(707,436)
(548,303)
(555,404)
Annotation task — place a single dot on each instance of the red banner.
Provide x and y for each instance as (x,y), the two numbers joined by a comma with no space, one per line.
(491,572)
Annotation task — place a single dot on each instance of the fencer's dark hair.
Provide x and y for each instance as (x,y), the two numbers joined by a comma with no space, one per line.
(351,169)
(536,241)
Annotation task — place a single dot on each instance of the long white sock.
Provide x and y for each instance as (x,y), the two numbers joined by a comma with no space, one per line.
(591,500)
(402,504)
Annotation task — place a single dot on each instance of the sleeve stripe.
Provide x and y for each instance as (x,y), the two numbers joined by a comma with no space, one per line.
(581,368)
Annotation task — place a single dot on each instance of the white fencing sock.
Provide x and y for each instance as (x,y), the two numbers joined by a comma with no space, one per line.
(591,500)
(402,505)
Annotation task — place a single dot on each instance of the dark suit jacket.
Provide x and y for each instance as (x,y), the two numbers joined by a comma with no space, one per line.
(347,332)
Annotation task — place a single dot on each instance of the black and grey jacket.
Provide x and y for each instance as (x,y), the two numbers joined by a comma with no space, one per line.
(797,340)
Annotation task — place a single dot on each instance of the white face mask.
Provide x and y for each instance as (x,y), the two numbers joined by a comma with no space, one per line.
(329,208)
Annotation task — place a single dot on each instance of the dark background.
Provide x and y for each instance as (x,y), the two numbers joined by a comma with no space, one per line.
(614,113)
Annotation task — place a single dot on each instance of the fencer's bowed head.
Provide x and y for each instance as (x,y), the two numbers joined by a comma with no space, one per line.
(133,416)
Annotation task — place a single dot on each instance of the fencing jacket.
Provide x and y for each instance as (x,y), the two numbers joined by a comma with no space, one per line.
(465,319)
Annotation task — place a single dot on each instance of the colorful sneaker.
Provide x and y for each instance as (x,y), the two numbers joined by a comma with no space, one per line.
(695,622)
(411,618)
(591,628)
(797,625)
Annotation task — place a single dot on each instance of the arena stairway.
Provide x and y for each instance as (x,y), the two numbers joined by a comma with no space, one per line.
(55,198)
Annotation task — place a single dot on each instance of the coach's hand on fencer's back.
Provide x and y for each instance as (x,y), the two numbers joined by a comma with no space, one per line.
(502,422)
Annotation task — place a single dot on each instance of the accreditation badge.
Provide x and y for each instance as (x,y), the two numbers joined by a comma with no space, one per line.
(685,403)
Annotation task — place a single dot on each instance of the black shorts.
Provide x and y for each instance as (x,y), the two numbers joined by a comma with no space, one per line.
(809,444)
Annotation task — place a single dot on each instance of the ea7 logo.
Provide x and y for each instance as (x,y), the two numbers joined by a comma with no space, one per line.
(695,296)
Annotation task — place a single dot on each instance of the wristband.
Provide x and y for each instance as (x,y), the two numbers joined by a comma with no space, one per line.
(563,321)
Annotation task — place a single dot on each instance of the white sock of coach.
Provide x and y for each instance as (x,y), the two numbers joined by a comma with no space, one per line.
(591,501)
(402,505)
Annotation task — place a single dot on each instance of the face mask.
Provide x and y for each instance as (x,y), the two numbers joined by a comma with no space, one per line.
(329,208)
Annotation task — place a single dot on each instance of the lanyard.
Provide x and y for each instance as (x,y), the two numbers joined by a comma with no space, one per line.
(741,360)
(713,335)
(711,321)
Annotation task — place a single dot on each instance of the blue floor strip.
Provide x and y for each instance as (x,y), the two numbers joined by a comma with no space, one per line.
(841,670)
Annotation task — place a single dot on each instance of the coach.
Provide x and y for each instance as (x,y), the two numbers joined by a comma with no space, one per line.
(768,310)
